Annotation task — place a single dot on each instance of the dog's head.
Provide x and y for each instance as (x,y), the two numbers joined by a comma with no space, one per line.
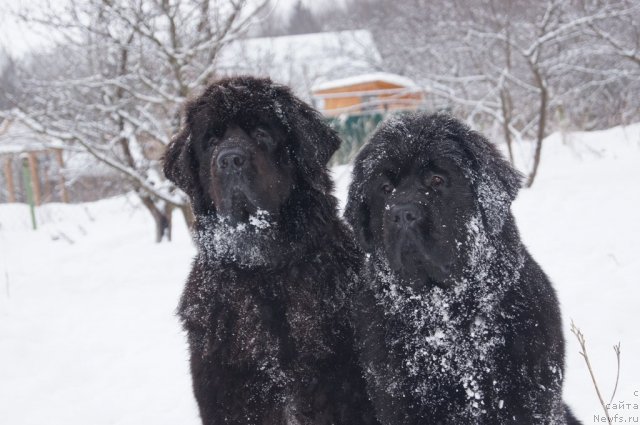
(421,185)
(246,144)
(253,159)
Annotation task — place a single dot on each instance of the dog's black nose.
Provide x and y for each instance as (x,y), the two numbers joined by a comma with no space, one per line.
(404,214)
(231,159)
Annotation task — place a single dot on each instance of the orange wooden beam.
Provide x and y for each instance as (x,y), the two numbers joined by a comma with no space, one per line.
(8,174)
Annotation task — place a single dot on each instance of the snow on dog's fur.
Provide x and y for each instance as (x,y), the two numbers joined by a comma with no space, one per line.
(458,324)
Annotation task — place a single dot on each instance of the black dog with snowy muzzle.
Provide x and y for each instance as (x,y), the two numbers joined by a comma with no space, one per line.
(458,324)
(266,305)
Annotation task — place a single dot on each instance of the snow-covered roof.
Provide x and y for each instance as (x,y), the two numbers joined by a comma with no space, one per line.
(17,138)
(302,61)
(395,79)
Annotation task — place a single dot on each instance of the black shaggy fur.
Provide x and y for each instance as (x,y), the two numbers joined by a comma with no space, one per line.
(474,335)
(269,337)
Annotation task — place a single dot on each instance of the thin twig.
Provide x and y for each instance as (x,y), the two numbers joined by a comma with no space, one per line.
(583,353)
(616,348)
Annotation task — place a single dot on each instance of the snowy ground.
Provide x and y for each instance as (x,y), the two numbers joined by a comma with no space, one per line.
(88,336)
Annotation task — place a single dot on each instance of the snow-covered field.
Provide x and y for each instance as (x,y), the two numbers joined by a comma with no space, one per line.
(88,335)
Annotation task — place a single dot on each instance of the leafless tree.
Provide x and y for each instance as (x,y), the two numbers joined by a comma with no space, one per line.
(302,20)
(116,81)
(518,67)
(7,78)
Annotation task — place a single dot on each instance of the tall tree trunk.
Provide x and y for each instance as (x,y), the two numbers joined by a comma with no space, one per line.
(161,217)
(505,99)
(187,213)
(506,120)
(542,121)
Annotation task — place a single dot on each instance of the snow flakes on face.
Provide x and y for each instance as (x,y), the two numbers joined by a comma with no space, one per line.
(495,203)
(260,220)
(247,244)
(478,249)
(493,198)
(277,109)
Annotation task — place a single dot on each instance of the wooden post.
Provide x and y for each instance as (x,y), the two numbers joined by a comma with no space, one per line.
(35,180)
(47,182)
(8,174)
(27,176)
(63,183)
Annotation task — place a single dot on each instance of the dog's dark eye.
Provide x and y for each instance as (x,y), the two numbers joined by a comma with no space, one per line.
(437,181)
(387,187)
(263,137)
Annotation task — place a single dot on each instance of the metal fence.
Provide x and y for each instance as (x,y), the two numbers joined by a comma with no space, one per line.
(354,130)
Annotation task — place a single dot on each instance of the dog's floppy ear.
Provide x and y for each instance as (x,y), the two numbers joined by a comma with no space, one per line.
(496,182)
(357,213)
(314,141)
(358,216)
(180,164)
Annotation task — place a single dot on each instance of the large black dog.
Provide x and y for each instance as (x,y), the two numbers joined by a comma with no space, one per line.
(458,324)
(266,303)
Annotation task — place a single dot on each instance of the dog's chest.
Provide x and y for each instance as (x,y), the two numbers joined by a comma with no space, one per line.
(271,318)
(443,354)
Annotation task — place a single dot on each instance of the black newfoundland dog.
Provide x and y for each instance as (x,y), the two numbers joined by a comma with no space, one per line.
(458,324)
(266,304)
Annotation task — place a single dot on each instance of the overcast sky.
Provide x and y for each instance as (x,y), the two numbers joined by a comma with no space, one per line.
(18,38)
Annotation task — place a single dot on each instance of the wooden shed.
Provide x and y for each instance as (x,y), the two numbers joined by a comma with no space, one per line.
(376,92)
(24,155)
